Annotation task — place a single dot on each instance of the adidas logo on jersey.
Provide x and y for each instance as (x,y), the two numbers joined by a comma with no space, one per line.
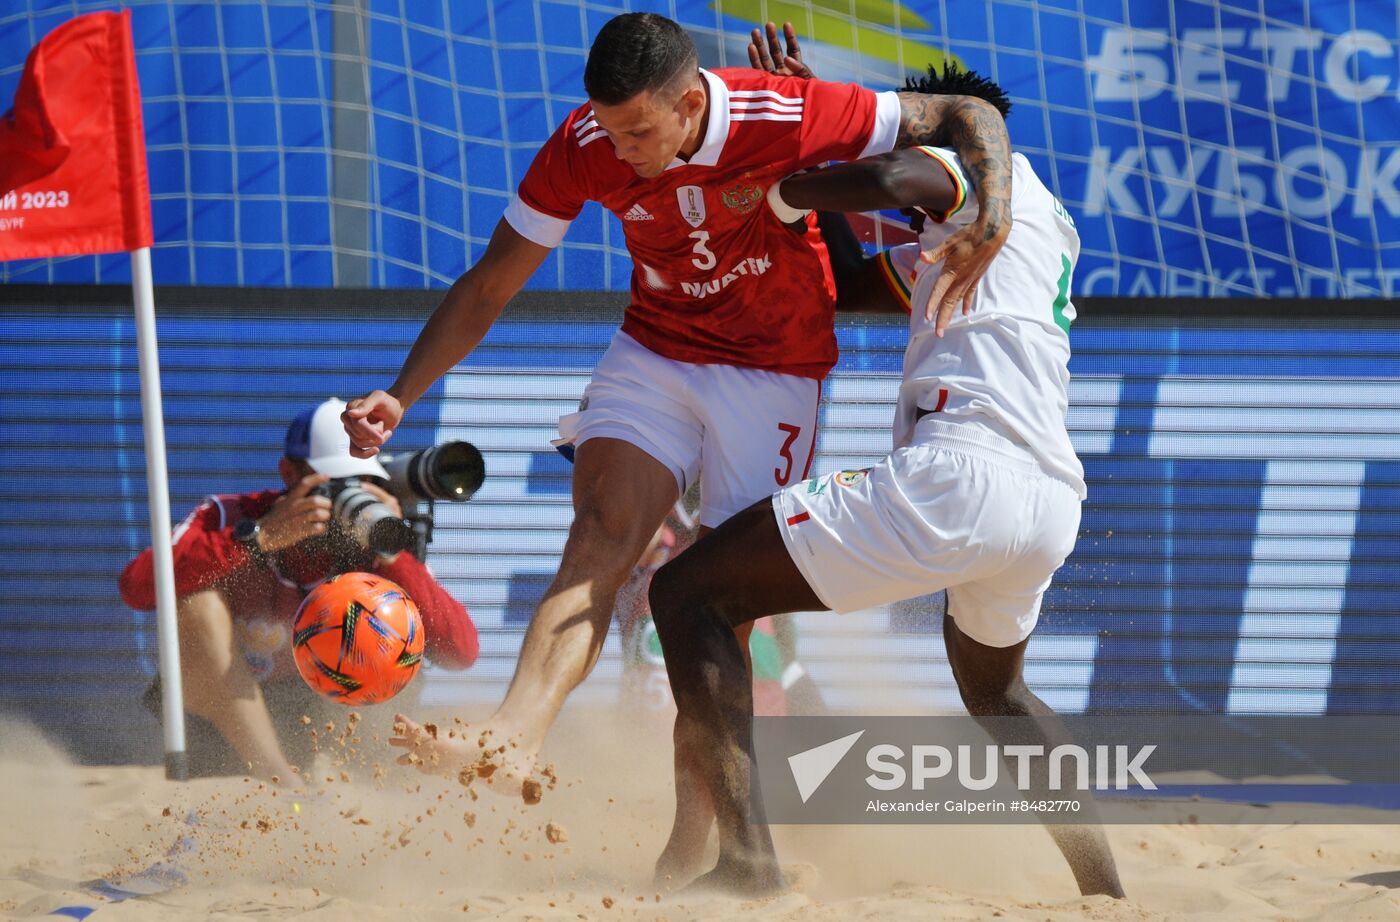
(637,213)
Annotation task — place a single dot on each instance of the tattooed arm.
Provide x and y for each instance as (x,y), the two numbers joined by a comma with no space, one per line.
(977,132)
(970,126)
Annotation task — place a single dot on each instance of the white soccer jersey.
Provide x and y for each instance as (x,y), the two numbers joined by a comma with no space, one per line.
(1009,359)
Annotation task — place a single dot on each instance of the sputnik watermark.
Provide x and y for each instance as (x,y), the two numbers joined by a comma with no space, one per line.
(998,770)
(1066,805)
(1112,767)
(1069,769)
(1075,769)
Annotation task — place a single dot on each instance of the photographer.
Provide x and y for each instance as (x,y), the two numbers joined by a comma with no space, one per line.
(243,564)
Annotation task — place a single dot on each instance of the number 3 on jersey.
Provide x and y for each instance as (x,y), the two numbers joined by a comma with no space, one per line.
(783,474)
(704,258)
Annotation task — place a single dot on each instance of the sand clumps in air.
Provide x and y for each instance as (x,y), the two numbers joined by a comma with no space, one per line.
(374,840)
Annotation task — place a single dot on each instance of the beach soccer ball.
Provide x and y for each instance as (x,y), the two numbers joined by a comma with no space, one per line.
(358,639)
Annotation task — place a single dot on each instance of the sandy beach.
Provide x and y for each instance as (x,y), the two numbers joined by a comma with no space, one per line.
(376,841)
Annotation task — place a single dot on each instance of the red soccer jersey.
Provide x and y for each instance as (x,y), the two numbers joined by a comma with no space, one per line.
(716,278)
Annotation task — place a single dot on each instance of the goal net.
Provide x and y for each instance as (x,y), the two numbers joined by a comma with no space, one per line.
(1205,148)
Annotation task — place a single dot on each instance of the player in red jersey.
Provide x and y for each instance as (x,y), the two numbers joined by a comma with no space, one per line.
(720,357)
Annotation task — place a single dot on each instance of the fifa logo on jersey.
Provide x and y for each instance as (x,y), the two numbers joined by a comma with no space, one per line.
(692,202)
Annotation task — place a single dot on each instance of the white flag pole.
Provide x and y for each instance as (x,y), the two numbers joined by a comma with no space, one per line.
(158,492)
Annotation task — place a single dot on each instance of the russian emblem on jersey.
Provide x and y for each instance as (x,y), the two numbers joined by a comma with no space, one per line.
(357,639)
(692,202)
(743,197)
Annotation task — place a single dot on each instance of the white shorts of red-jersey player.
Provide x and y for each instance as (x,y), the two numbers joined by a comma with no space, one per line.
(964,507)
(744,432)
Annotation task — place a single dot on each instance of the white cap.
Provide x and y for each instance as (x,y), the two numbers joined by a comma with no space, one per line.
(318,437)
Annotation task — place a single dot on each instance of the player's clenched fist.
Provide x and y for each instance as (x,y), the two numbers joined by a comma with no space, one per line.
(297,515)
(370,420)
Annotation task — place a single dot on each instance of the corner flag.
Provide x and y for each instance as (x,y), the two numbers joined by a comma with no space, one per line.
(72,151)
(73,182)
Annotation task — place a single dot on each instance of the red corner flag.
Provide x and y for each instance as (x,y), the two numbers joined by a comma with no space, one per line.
(72,151)
(73,182)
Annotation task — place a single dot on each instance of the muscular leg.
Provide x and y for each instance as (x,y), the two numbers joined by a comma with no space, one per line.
(621,496)
(990,681)
(219,687)
(680,860)
(695,814)
(739,573)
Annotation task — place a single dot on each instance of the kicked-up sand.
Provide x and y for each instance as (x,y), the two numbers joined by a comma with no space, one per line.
(370,840)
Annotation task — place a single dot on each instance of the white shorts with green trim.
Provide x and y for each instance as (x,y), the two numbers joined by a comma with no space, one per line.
(962,508)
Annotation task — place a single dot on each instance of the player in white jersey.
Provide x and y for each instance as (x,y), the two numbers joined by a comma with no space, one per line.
(980,497)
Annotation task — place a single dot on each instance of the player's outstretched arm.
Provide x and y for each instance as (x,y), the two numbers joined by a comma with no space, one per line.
(460,322)
(860,287)
(898,179)
(970,126)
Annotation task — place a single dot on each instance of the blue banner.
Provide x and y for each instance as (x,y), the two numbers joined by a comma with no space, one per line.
(1236,553)
(1205,149)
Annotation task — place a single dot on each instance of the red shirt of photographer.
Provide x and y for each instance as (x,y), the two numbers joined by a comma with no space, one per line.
(264,591)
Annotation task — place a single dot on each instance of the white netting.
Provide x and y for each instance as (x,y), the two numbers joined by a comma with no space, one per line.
(1206,148)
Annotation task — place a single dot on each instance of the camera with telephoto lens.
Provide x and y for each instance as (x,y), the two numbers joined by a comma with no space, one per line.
(453,471)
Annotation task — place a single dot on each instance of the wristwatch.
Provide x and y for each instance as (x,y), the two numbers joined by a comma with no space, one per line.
(246,533)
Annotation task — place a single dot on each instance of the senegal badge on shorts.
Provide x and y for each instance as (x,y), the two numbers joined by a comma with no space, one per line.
(851,478)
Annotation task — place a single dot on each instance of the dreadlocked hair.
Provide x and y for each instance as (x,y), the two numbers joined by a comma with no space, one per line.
(954,81)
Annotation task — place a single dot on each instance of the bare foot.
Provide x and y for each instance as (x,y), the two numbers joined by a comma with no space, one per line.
(678,865)
(683,858)
(741,878)
(467,755)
